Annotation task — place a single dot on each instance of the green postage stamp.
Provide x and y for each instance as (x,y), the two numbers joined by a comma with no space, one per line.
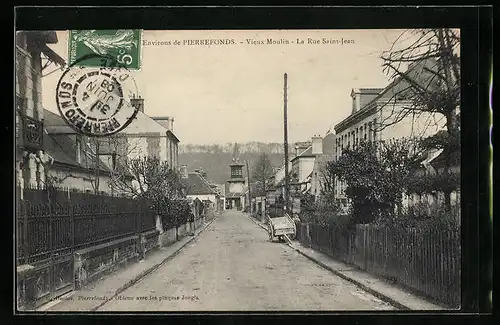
(123,45)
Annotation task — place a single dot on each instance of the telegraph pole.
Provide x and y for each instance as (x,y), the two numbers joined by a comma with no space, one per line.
(285,143)
(249,193)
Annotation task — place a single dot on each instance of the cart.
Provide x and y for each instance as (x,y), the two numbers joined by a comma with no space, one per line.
(281,227)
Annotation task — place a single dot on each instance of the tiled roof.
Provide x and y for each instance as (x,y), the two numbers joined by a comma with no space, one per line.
(197,185)
(55,123)
(62,148)
(59,143)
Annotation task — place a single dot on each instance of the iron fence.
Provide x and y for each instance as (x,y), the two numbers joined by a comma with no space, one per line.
(54,220)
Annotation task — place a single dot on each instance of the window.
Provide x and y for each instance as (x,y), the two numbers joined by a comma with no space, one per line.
(78,150)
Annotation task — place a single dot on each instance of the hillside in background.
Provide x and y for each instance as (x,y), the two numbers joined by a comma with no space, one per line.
(215,159)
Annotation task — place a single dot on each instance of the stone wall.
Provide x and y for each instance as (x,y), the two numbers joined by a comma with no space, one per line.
(93,262)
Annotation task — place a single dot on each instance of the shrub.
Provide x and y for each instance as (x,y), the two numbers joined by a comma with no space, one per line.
(324,212)
(424,215)
(176,213)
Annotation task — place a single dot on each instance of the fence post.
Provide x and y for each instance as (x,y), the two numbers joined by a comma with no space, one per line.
(25,230)
(72,225)
(142,248)
(365,250)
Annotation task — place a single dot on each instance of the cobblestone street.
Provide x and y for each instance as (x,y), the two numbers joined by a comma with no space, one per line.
(233,266)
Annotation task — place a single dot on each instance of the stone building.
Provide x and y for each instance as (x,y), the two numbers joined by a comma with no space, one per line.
(32,57)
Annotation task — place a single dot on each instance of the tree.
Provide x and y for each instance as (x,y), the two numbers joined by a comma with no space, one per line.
(262,171)
(97,149)
(154,181)
(433,86)
(375,174)
(151,177)
(327,183)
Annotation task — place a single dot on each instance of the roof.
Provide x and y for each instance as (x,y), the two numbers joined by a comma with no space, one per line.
(141,123)
(372,91)
(61,148)
(328,144)
(55,124)
(305,153)
(60,144)
(386,92)
(169,132)
(197,185)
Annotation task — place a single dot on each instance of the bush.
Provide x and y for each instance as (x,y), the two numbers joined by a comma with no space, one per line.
(423,215)
(177,212)
(324,212)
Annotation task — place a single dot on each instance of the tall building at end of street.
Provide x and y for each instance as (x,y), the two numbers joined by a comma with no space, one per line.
(235,186)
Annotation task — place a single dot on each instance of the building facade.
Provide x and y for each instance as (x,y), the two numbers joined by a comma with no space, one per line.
(323,154)
(73,160)
(377,115)
(198,187)
(143,137)
(32,56)
(236,187)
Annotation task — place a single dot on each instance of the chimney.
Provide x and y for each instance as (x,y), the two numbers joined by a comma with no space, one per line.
(137,102)
(184,171)
(172,124)
(356,99)
(317,145)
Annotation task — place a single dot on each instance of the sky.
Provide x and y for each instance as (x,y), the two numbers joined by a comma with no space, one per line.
(234,93)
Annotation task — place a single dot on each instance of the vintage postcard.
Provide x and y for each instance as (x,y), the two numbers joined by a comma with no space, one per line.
(238,170)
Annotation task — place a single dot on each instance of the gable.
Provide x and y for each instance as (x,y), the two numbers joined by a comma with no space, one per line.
(143,124)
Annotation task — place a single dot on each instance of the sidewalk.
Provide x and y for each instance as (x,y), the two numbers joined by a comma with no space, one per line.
(97,293)
(377,286)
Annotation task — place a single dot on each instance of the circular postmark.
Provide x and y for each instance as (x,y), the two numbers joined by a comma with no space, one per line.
(96,101)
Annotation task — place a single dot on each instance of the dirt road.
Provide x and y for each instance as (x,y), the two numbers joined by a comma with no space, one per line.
(233,267)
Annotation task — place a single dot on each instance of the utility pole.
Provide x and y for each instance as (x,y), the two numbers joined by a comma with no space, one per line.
(249,193)
(287,185)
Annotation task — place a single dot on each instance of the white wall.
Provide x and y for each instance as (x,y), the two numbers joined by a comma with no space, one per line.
(306,165)
(79,180)
(236,187)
